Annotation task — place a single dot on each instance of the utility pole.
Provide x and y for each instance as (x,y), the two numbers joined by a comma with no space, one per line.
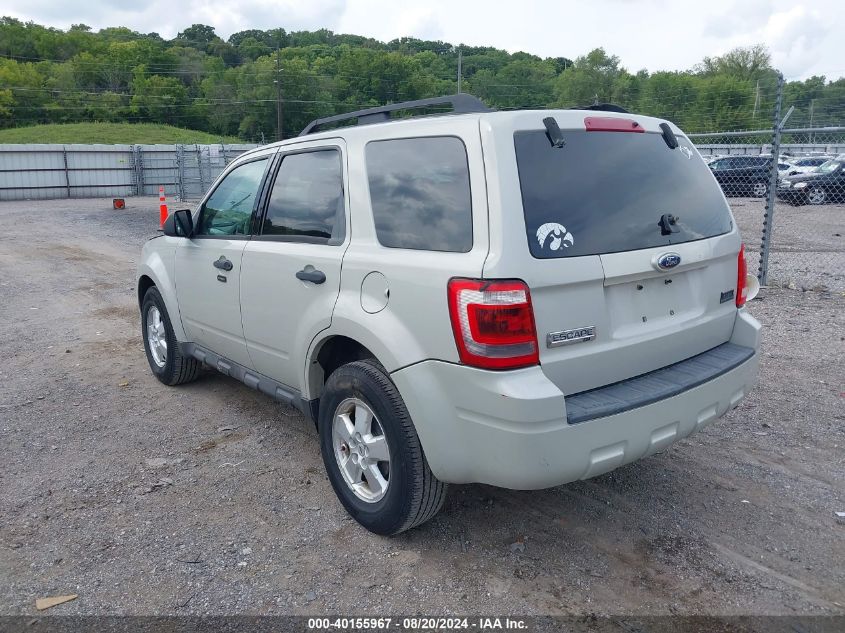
(460,60)
(278,82)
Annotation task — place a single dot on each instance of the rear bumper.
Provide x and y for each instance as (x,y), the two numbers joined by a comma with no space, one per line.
(510,429)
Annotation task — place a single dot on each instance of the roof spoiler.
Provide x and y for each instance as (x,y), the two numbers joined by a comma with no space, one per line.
(603,107)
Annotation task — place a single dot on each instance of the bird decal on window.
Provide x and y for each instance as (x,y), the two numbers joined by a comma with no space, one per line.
(561,238)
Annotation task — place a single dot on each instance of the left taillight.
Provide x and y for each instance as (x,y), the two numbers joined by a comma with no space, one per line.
(493,323)
(741,274)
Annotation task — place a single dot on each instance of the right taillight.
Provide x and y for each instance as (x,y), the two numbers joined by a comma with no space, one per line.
(741,274)
(493,323)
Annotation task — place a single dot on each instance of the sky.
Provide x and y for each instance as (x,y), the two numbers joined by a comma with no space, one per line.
(804,38)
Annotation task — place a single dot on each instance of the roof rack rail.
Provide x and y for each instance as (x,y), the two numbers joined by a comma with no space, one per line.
(603,107)
(461,103)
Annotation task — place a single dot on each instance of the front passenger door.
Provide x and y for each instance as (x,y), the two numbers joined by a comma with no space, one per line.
(208,266)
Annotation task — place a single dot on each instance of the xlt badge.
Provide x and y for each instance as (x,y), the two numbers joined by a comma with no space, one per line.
(567,337)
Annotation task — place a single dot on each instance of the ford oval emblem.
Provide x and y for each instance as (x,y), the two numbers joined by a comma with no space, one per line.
(668,260)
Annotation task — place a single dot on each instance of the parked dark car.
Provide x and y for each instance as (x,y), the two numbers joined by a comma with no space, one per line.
(743,175)
(825,184)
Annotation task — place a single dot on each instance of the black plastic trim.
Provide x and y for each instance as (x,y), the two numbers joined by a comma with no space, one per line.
(657,385)
(251,378)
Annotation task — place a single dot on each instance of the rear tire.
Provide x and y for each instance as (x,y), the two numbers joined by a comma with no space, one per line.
(759,189)
(166,360)
(816,195)
(372,453)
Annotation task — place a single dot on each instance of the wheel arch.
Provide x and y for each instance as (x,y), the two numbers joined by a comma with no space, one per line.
(154,272)
(145,282)
(327,353)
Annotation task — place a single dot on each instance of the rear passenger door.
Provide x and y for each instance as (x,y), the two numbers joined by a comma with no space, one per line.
(290,273)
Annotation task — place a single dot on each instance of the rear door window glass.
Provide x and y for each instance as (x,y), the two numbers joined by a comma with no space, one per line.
(419,189)
(606,192)
(307,198)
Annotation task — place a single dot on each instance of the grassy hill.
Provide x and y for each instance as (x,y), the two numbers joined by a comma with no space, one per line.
(137,133)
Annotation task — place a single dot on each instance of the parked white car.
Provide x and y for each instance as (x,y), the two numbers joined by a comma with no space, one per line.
(805,165)
(520,298)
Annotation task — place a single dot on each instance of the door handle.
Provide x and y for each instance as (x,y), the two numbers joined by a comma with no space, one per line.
(223,263)
(310,274)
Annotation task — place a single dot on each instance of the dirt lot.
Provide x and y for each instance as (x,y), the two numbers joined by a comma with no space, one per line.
(808,242)
(211,498)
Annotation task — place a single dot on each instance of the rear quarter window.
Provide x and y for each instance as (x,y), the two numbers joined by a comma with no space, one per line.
(420,194)
(605,192)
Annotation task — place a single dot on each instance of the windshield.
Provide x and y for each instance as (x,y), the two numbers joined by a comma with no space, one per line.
(606,192)
(828,167)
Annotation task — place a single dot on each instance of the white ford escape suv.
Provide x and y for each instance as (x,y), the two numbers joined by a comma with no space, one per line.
(521,298)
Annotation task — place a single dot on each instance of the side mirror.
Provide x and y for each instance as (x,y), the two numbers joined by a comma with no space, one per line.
(179,224)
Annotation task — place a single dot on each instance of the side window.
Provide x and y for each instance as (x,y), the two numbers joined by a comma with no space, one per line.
(307,198)
(228,211)
(419,189)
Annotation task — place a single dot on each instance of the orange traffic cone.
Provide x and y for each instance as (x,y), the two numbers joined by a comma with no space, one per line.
(162,207)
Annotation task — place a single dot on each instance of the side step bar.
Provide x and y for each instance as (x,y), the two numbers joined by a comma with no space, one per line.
(253,379)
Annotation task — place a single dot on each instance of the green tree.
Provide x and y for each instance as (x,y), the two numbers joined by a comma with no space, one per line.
(747,63)
(595,77)
(251,48)
(197,36)
(158,99)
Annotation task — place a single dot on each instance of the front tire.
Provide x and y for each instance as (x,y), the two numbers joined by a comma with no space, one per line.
(372,453)
(166,360)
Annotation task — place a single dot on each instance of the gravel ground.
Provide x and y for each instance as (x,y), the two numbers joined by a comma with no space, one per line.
(211,498)
(808,248)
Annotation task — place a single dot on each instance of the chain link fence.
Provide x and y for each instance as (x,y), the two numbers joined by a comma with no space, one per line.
(786,187)
(790,208)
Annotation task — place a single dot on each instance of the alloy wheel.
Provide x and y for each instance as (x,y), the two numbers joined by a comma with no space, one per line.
(156,336)
(361,450)
(816,195)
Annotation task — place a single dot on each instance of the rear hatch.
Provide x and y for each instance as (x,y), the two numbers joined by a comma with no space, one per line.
(627,245)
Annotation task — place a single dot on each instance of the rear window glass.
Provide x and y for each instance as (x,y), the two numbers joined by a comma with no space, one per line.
(419,188)
(606,192)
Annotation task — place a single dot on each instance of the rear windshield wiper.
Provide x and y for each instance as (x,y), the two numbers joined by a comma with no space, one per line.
(667,224)
(669,136)
(553,132)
